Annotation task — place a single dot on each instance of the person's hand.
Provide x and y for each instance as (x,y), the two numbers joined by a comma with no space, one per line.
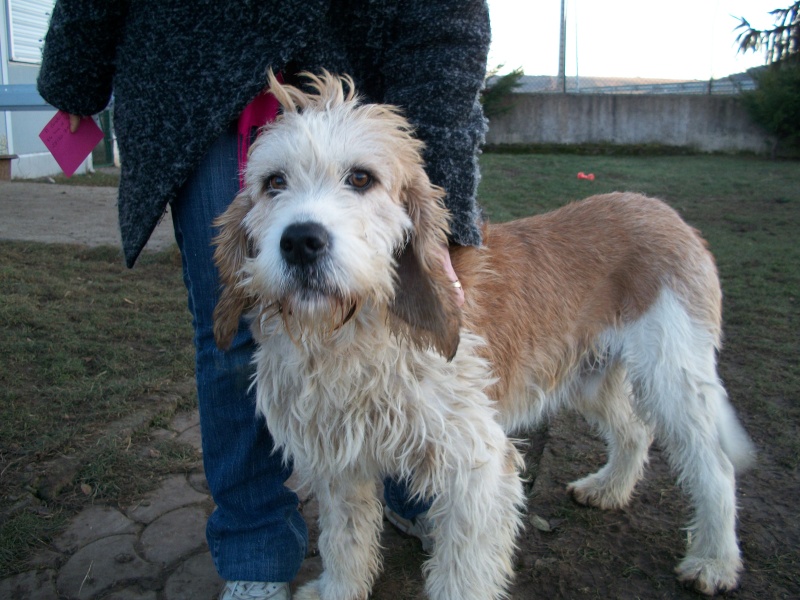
(451,275)
(74,123)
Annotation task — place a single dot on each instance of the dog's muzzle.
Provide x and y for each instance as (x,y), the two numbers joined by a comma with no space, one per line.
(304,244)
(306,253)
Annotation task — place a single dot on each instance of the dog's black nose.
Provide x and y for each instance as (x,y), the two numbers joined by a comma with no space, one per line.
(304,243)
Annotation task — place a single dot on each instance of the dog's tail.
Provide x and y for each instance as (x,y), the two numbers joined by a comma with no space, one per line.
(734,440)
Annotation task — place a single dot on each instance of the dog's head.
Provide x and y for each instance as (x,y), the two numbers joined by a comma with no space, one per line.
(337,213)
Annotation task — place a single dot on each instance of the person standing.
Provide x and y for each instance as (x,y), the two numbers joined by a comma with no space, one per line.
(183,74)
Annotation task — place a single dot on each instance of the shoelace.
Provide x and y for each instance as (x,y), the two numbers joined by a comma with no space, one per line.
(244,590)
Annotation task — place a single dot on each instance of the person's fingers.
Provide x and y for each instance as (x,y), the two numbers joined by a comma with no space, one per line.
(451,274)
(74,123)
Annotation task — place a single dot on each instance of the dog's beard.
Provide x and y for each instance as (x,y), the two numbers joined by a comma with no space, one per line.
(311,302)
(305,314)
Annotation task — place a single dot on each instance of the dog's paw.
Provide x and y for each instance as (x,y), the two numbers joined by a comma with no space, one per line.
(592,491)
(309,591)
(710,576)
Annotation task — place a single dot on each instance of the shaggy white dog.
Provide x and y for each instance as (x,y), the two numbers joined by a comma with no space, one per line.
(367,366)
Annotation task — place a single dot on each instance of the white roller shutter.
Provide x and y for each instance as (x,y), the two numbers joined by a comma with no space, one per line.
(27,24)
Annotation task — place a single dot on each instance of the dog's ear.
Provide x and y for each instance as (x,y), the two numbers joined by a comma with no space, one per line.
(425,306)
(230,253)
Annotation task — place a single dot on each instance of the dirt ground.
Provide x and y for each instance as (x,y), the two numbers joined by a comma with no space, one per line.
(64,214)
(587,553)
(630,553)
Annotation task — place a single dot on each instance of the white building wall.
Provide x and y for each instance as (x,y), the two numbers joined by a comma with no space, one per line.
(23,25)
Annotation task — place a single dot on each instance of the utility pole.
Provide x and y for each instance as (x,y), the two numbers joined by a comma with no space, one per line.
(562,52)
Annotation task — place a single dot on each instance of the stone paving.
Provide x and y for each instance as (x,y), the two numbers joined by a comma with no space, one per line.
(154,550)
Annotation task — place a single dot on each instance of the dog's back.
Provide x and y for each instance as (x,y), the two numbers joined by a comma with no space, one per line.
(543,288)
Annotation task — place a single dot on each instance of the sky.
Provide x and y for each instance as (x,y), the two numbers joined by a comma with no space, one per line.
(678,39)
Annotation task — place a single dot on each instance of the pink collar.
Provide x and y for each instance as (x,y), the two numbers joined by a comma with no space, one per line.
(262,109)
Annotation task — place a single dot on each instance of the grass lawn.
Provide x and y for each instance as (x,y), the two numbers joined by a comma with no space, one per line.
(95,356)
(88,343)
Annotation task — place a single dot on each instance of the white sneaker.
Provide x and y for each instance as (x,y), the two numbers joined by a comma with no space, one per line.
(255,590)
(418,527)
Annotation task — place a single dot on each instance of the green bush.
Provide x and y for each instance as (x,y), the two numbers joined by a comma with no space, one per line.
(497,96)
(775,104)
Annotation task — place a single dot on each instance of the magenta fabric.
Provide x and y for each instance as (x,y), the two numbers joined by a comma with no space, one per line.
(262,110)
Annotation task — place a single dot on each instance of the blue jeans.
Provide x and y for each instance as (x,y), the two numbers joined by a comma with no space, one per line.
(396,494)
(256,532)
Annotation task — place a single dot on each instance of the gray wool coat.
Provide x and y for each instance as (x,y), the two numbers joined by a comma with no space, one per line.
(182,70)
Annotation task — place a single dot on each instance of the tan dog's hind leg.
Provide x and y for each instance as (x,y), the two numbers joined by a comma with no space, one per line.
(627,437)
(677,390)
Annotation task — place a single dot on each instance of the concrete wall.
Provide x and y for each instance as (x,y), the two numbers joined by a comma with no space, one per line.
(705,123)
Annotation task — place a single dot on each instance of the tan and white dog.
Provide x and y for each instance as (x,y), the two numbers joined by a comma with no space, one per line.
(367,366)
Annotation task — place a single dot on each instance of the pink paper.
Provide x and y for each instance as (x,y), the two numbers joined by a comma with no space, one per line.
(70,149)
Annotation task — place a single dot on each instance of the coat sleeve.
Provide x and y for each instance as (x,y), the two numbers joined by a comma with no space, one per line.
(435,68)
(79,54)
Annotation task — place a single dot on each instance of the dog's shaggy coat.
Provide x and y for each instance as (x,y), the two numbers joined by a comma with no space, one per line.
(367,366)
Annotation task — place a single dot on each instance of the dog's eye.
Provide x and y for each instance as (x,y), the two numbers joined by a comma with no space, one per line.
(360,180)
(276,183)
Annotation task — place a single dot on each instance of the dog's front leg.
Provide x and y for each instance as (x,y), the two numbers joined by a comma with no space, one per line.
(476,520)
(350,525)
